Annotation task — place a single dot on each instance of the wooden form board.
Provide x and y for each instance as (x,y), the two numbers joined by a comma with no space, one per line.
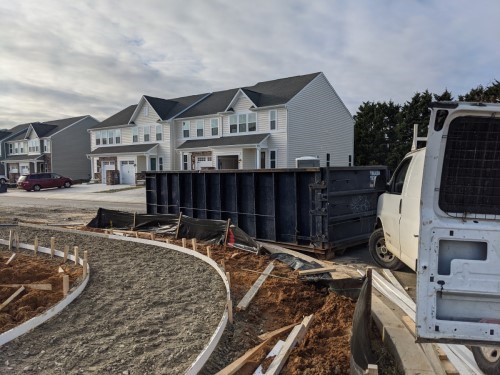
(316,271)
(297,335)
(31,286)
(240,362)
(245,301)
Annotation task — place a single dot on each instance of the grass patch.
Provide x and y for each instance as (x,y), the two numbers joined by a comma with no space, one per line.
(120,189)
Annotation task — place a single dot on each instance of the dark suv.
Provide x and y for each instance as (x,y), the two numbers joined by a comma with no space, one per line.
(37,181)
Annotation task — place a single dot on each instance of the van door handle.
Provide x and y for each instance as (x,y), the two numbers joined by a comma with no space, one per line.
(400,205)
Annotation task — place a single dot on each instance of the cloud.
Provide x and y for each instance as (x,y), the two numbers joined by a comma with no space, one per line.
(95,57)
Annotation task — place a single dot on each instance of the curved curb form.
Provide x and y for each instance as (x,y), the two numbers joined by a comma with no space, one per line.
(205,354)
(54,310)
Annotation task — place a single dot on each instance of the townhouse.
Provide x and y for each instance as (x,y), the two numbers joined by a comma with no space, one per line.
(267,125)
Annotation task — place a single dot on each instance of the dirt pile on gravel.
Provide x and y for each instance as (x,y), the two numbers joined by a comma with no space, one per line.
(26,269)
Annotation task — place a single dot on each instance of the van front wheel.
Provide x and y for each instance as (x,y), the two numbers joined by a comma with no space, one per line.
(379,252)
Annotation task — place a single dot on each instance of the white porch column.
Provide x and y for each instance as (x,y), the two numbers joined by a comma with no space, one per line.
(257,164)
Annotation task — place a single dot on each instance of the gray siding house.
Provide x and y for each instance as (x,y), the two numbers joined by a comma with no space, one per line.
(267,125)
(52,146)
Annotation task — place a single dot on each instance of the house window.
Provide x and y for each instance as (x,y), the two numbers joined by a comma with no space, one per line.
(145,110)
(159,132)
(214,125)
(45,146)
(350,160)
(272,119)
(16,148)
(135,134)
(272,158)
(185,162)
(118,136)
(185,129)
(104,137)
(252,122)
(327,160)
(11,148)
(21,147)
(233,124)
(199,128)
(97,138)
(111,137)
(160,163)
(147,132)
(242,122)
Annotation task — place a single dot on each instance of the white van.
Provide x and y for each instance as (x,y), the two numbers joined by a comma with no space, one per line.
(441,217)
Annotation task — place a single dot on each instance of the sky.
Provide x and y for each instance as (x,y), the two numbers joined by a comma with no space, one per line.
(69,58)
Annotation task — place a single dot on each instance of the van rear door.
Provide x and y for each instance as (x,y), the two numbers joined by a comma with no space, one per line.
(458,272)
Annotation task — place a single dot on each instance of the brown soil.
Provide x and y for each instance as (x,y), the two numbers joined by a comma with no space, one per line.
(28,269)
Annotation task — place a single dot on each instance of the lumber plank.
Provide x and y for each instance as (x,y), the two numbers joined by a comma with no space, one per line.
(315,271)
(409,324)
(278,331)
(10,259)
(11,298)
(395,281)
(31,286)
(293,338)
(233,367)
(245,301)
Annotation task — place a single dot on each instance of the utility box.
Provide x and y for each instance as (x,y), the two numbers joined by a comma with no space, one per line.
(307,162)
(318,209)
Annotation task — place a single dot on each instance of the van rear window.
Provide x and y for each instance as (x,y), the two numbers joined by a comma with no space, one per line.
(470,179)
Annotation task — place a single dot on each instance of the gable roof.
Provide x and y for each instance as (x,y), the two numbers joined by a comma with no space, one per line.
(124,149)
(262,94)
(168,108)
(121,118)
(43,129)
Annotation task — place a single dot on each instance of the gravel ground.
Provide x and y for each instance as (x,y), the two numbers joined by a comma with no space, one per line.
(146,310)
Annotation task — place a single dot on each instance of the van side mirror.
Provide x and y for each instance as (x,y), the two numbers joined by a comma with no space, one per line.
(380,182)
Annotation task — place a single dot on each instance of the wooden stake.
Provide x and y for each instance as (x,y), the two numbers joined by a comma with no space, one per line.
(11,298)
(167,241)
(75,249)
(36,245)
(278,331)
(60,270)
(65,285)
(245,301)
(184,242)
(85,262)
(66,251)
(17,240)
(10,240)
(52,246)
(193,243)
(133,225)
(209,252)
(152,236)
(227,233)
(230,310)
(10,259)
(371,370)
(178,226)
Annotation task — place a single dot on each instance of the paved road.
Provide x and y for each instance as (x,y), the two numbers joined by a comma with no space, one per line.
(90,196)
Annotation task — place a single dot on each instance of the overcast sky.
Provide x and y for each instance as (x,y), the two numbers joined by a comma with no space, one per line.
(68,58)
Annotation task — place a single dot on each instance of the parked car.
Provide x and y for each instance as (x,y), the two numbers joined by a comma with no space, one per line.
(3,179)
(37,181)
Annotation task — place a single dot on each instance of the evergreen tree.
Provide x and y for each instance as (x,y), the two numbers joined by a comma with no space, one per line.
(490,94)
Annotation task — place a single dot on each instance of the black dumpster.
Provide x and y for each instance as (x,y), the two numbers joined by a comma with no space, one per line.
(317,208)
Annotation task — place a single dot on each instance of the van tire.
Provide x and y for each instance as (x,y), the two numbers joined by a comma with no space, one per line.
(379,252)
(487,359)
(37,188)
(67,184)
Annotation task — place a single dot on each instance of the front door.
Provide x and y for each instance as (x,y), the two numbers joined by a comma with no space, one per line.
(262,159)
(106,166)
(127,172)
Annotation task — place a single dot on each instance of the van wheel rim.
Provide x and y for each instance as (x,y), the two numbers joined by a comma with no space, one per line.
(382,252)
(490,353)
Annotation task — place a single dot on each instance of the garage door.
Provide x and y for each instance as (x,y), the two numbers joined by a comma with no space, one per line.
(203,161)
(127,172)
(106,166)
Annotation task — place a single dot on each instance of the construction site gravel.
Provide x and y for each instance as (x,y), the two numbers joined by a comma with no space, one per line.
(148,310)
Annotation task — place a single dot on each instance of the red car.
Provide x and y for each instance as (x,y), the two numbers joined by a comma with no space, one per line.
(37,181)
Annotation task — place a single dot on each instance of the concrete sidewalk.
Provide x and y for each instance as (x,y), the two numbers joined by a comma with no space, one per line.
(85,192)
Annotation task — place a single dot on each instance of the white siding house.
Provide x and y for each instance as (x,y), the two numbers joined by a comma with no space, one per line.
(267,125)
